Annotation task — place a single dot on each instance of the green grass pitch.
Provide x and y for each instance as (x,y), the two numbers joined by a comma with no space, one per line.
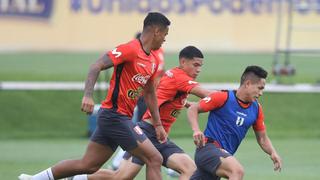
(300,157)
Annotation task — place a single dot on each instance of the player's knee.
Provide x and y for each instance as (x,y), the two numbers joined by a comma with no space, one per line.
(238,171)
(187,167)
(88,168)
(92,170)
(122,175)
(191,168)
(155,160)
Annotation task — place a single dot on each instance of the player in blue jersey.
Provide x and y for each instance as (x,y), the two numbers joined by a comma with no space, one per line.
(232,113)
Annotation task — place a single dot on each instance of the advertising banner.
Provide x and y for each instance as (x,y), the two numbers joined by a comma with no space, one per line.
(213,25)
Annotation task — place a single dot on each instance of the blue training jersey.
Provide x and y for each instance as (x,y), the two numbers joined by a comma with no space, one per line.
(229,124)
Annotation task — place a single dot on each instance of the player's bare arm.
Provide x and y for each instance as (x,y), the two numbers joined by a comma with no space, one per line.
(152,104)
(198,136)
(266,145)
(201,92)
(188,104)
(102,63)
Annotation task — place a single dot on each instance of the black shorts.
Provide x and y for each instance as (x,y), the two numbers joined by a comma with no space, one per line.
(166,149)
(207,159)
(114,129)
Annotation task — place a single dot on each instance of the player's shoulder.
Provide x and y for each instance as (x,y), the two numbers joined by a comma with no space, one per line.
(220,94)
(258,104)
(179,74)
(131,46)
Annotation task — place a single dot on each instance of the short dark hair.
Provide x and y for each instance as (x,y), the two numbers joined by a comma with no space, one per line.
(190,52)
(255,71)
(138,35)
(156,18)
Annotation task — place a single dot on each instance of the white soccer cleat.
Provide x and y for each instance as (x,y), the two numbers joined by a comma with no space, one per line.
(25,177)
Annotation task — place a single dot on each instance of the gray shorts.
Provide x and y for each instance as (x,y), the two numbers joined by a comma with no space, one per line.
(207,159)
(114,129)
(166,149)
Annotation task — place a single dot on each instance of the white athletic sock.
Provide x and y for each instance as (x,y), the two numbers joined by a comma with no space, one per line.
(80,177)
(44,175)
(117,159)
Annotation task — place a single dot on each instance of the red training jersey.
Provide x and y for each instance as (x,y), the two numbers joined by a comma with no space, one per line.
(133,67)
(172,93)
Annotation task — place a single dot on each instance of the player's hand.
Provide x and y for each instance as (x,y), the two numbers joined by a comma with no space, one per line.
(161,134)
(277,162)
(198,138)
(87,105)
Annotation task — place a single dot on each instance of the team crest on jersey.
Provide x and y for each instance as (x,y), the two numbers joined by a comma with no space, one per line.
(139,78)
(169,73)
(153,68)
(138,130)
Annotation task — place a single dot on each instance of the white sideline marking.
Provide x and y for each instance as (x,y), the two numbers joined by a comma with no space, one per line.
(17,85)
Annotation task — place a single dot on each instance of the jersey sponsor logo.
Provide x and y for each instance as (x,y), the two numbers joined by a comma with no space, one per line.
(134,94)
(192,82)
(116,53)
(138,130)
(206,99)
(239,121)
(27,8)
(241,113)
(175,113)
(139,78)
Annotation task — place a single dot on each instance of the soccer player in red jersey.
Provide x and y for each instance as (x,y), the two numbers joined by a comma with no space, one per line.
(141,106)
(172,93)
(232,113)
(135,65)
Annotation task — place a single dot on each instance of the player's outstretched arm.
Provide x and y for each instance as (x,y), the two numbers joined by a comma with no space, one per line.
(198,136)
(102,63)
(201,92)
(152,104)
(266,144)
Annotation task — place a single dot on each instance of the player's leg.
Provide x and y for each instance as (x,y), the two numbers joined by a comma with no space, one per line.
(117,159)
(213,161)
(151,157)
(138,113)
(175,158)
(230,168)
(183,164)
(132,139)
(128,168)
(99,150)
(126,171)
(95,156)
